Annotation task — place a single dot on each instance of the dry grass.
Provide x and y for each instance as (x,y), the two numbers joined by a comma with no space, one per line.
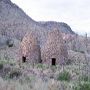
(42,76)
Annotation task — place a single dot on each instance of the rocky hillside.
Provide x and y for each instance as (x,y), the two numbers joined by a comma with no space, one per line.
(63,27)
(15,23)
(13,20)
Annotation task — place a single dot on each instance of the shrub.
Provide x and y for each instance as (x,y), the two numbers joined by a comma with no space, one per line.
(82,52)
(85,78)
(42,66)
(83,86)
(3,62)
(14,74)
(39,65)
(68,62)
(1,66)
(9,43)
(64,76)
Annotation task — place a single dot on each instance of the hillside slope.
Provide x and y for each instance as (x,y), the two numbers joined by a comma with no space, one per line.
(15,23)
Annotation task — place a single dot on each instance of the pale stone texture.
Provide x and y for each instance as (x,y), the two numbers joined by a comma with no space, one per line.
(30,48)
(54,48)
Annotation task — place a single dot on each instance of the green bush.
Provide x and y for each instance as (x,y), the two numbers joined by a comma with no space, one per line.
(1,66)
(40,66)
(9,62)
(85,78)
(68,62)
(10,43)
(83,86)
(64,76)
(15,74)
(82,52)
(3,62)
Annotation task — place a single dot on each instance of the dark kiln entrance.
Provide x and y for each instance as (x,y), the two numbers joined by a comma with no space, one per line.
(53,61)
(23,59)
